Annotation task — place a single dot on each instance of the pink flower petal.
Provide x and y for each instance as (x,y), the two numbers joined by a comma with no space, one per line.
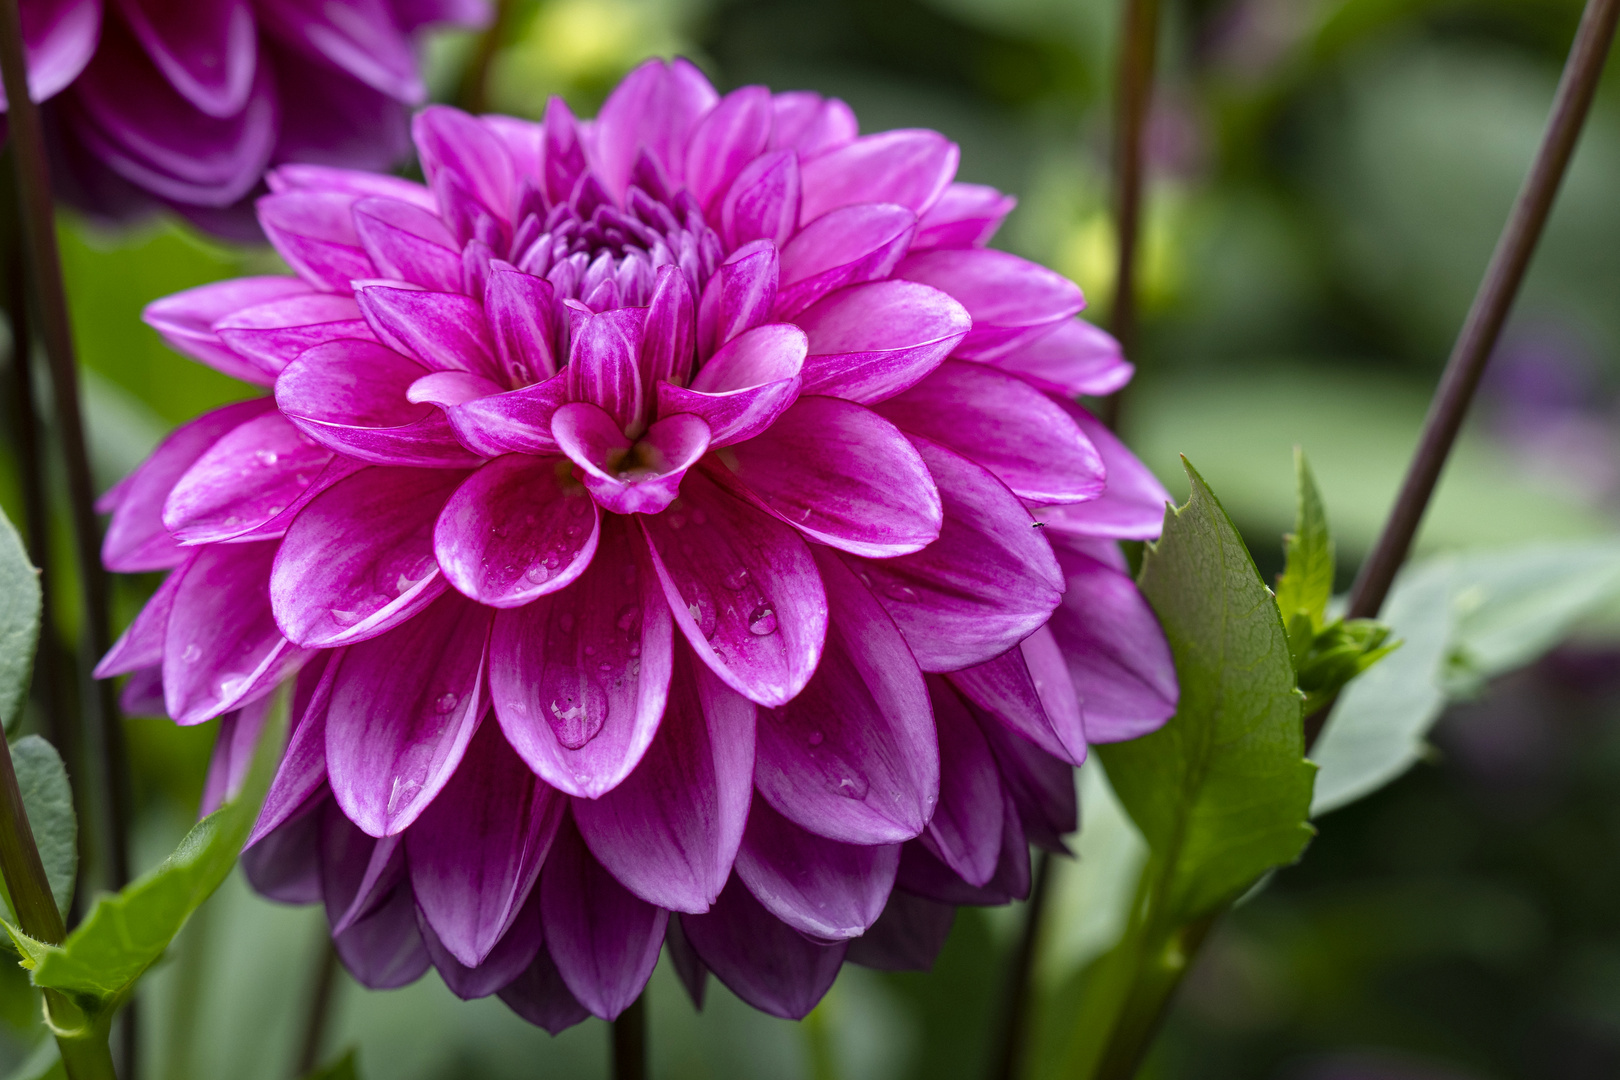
(604,366)
(909,167)
(870,342)
(361,38)
(244,480)
(739,296)
(141,643)
(656,106)
(1041,786)
(1027,690)
(512,955)
(966,829)
(1012,301)
(763,202)
(966,215)
(408,243)
(822,888)
(1130,508)
(848,246)
(760,958)
(745,386)
(669,335)
(314,231)
(518,421)
(445,331)
(523,320)
(730,135)
(186,320)
(272,335)
(1073,358)
(811,124)
(301,776)
(58,41)
(642,478)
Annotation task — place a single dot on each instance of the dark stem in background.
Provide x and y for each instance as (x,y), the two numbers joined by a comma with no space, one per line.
(320,1008)
(473,95)
(630,1042)
(1138,44)
(1491,305)
(1008,1062)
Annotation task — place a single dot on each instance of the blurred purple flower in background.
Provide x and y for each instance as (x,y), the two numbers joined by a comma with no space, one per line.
(185,103)
(678,527)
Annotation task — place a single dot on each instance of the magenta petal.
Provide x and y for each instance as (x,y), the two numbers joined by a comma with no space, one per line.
(461,153)
(361,38)
(136,540)
(477,849)
(745,386)
(446,331)
(234,744)
(516,422)
(352,396)
(1131,507)
(1117,653)
(274,334)
(763,203)
(359,559)
(517,528)
(844,476)
(603,938)
(450,388)
(689,967)
(1041,786)
(907,936)
(870,342)
(922,872)
(604,365)
(384,950)
(302,772)
(966,828)
(854,757)
(656,107)
(1040,707)
(507,961)
(1012,301)
(58,41)
(847,246)
(338,468)
(909,167)
(730,135)
(822,888)
(142,694)
(966,215)
(670,332)
(141,643)
(670,831)
(626,479)
(760,958)
(739,296)
(523,319)
(1005,425)
(1074,358)
(408,243)
(314,231)
(744,590)
(355,182)
(404,706)
(285,865)
(222,648)
(244,480)
(988,582)
(540,996)
(186,319)
(579,678)
(810,124)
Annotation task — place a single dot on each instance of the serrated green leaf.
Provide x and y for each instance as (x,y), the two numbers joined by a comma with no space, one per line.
(48,797)
(1222,791)
(125,934)
(1306,584)
(19,623)
(344,1068)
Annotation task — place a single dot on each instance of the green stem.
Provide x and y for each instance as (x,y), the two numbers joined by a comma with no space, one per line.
(630,1042)
(86,1052)
(1008,1062)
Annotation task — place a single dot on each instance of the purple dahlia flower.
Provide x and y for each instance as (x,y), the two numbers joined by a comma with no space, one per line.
(185,103)
(677,527)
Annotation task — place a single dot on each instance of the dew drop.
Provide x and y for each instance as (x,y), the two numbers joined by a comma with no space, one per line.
(816,738)
(552,561)
(903,593)
(628,619)
(738,579)
(445,703)
(762,621)
(577,714)
(699,517)
(700,605)
(192,653)
(537,574)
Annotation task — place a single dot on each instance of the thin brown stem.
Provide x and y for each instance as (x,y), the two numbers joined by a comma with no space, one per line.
(630,1042)
(1491,305)
(1008,1062)
(320,1008)
(1138,47)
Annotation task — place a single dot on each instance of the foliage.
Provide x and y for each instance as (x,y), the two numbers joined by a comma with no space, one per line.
(19,623)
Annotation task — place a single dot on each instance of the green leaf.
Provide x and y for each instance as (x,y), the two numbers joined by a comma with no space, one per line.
(1306,584)
(45,1063)
(19,623)
(1221,791)
(344,1068)
(48,798)
(125,934)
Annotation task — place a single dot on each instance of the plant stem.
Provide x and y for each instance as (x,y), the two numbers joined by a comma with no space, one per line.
(45,273)
(320,1008)
(1138,46)
(1491,305)
(473,95)
(630,1042)
(1007,1064)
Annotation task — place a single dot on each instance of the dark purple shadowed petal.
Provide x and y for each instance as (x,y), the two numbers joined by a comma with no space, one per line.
(988,582)
(744,590)
(1012,301)
(506,962)
(907,936)
(670,831)
(352,396)
(330,118)
(516,529)
(656,107)
(1007,426)
(186,320)
(689,968)
(540,996)
(272,335)
(243,481)
(136,540)
(445,331)
(966,829)
(408,243)
(314,231)
(923,874)
(910,167)
(603,938)
(579,677)
(870,342)
(1132,507)
(1041,786)
(516,422)
(358,560)
(848,246)
(285,865)
(1072,359)
(625,478)
(477,849)
(763,203)
(58,41)
(730,135)
(966,215)
(822,888)
(745,386)
(142,694)
(360,37)
(760,958)
(234,744)
(1117,654)
(404,706)
(854,757)
(384,951)
(358,872)
(302,772)
(222,648)
(1025,691)
(842,475)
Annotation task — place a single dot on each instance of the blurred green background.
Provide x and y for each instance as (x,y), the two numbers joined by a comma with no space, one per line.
(1328,179)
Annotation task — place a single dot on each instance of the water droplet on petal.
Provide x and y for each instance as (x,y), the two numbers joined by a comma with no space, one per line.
(738,579)
(445,703)
(629,620)
(762,621)
(903,593)
(577,714)
(816,738)
(537,574)
(192,653)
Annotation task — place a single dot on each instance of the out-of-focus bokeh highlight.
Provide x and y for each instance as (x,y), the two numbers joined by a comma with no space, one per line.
(1328,178)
